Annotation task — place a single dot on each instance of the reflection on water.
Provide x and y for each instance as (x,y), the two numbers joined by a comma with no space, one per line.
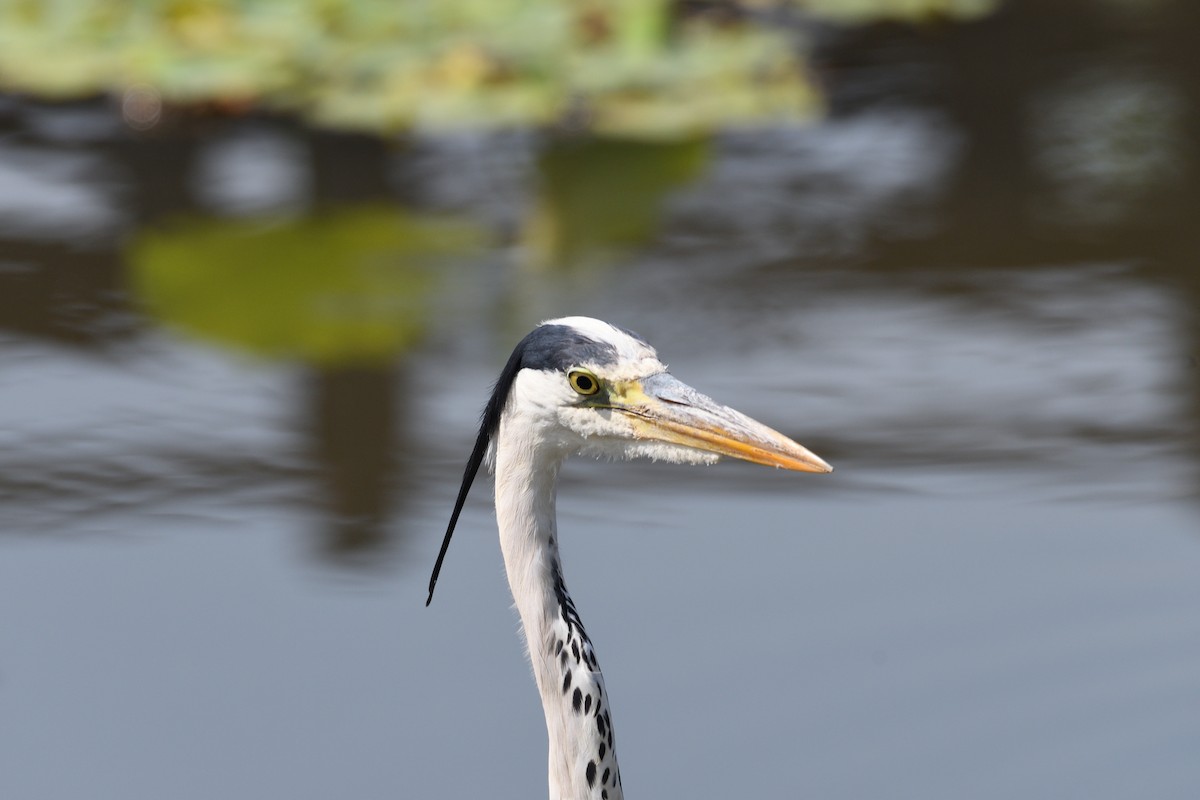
(350,287)
(354,423)
(971,288)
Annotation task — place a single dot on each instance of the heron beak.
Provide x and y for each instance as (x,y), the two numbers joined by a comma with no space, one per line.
(665,409)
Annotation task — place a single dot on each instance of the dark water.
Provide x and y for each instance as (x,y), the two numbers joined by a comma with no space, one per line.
(973,290)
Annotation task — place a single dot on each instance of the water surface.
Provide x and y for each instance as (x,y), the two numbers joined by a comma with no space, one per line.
(214,556)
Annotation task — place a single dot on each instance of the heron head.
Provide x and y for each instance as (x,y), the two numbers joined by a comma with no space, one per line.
(579,385)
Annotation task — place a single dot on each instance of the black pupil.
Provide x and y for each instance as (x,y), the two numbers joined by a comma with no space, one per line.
(583,383)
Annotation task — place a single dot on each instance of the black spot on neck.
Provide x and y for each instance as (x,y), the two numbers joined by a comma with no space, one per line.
(580,644)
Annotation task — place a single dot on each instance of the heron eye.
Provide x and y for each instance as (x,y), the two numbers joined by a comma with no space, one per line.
(583,382)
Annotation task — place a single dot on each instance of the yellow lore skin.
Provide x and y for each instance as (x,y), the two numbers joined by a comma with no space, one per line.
(663,409)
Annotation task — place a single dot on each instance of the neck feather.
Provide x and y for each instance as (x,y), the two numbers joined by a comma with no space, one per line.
(582,761)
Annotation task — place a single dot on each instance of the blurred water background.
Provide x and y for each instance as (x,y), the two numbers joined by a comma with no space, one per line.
(243,347)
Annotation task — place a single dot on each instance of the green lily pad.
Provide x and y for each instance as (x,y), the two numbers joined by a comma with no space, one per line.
(644,68)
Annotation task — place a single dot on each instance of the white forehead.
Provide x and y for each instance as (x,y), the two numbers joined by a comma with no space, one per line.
(629,349)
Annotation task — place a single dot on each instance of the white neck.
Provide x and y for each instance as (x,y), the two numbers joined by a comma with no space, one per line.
(583,763)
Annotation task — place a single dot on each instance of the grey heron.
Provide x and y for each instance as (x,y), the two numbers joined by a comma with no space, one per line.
(579,385)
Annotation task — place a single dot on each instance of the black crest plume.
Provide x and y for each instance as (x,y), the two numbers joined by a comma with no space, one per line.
(488,425)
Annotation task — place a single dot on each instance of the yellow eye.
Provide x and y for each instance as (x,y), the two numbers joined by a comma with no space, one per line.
(583,382)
